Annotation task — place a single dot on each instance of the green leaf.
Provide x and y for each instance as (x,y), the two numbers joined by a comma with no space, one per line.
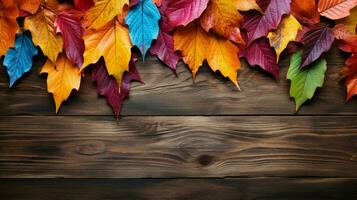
(304,82)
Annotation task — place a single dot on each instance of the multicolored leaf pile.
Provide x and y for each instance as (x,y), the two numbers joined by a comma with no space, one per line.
(105,35)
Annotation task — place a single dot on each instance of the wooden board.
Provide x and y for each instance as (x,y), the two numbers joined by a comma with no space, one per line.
(166,147)
(185,189)
(165,94)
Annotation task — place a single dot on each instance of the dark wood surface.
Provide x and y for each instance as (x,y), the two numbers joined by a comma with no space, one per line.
(179,140)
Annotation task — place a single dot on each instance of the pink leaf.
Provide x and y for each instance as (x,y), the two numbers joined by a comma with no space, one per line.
(316,41)
(108,86)
(164,49)
(260,53)
(68,23)
(182,12)
(258,25)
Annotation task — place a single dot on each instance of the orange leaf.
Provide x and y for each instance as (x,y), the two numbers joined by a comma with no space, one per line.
(197,46)
(30,6)
(41,26)
(223,17)
(111,41)
(305,11)
(104,11)
(336,9)
(62,78)
(8,27)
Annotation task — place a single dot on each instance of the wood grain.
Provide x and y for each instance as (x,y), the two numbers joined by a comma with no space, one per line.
(185,189)
(167,147)
(165,94)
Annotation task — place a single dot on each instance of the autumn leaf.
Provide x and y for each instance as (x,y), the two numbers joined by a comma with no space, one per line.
(30,6)
(41,26)
(83,5)
(143,22)
(336,9)
(259,53)
(8,27)
(182,12)
(103,11)
(223,17)
(164,49)
(316,41)
(351,21)
(108,87)
(192,42)
(197,46)
(246,5)
(305,11)
(258,25)
(62,78)
(68,23)
(304,82)
(286,32)
(18,60)
(113,43)
(350,73)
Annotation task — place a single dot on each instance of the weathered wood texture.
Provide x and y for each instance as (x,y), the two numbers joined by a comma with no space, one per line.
(185,189)
(161,147)
(165,94)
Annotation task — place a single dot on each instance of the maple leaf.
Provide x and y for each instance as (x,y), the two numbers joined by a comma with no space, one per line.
(304,82)
(41,26)
(113,43)
(261,54)
(143,22)
(305,11)
(258,25)
(286,32)
(164,49)
(18,60)
(223,17)
(83,5)
(316,41)
(108,87)
(8,27)
(182,12)
(197,45)
(62,78)
(336,9)
(104,11)
(68,23)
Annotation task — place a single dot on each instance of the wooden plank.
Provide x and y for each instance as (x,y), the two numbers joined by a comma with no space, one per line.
(195,189)
(142,147)
(165,94)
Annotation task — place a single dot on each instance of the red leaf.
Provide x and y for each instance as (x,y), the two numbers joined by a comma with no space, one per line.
(83,5)
(68,23)
(258,25)
(316,41)
(260,53)
(182,12)
(164,49)
(107,85)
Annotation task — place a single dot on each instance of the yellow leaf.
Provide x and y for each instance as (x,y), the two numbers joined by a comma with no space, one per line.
(112,41)
(8,28)
(191,40)
(197,46)
(223,56)
(245,5)
(104,11)
(223,17)
(62,78)
(286,32)
(350,21)
(41,26)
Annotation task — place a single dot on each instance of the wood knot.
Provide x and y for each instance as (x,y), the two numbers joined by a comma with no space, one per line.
(91,148)
(205,160)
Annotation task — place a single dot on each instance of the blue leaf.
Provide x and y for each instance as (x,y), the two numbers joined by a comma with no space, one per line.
(18,60)
(143,21)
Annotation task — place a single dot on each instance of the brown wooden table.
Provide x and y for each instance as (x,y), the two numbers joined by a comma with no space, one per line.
(179,140)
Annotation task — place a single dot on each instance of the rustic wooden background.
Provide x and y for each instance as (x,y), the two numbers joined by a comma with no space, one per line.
(179,140)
